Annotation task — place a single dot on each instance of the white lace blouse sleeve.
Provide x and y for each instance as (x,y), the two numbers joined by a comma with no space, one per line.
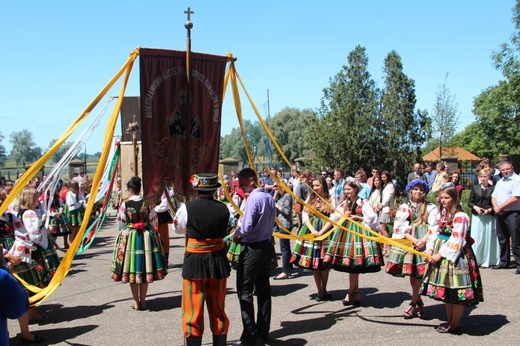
(454,245)
(370,218)
(305,212)
(32,224)
(180,220)
(402,221)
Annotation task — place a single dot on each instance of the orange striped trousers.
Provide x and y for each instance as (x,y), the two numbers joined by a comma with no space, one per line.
(197,291)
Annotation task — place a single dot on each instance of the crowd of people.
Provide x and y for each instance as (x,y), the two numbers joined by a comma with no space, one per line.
(448,248)
(30,228)
(336,220)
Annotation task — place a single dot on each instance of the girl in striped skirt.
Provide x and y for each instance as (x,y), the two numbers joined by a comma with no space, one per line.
(452,275)
(138,258)
(309,254)
(414,221)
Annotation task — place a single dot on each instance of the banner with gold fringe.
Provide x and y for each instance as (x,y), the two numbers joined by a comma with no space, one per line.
(180,122)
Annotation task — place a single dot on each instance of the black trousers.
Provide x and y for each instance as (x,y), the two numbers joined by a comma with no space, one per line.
(253,273)
(508,227)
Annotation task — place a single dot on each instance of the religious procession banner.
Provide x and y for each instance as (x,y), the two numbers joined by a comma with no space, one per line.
(180,120)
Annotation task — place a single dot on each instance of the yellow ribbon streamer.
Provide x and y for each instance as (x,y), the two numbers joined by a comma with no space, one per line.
(405,244)
(66,261)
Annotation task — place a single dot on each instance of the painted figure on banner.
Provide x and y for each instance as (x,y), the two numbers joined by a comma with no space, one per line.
(177,121)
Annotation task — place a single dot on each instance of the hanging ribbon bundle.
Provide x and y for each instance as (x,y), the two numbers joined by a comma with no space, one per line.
(232,77)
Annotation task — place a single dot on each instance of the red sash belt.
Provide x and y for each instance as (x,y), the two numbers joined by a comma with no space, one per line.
(204,245)
(140,225)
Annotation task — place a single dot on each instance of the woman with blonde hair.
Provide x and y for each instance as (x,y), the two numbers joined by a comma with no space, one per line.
(483,226)
(413,221)
(30,242)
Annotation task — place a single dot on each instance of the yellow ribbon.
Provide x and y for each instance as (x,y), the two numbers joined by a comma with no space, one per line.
(232,76)
(43,293)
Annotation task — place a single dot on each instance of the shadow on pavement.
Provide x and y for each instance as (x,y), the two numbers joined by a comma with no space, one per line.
(56,313)
(58,335)
(285,289)
(325,322)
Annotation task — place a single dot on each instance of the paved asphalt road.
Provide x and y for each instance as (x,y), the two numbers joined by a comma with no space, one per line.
(90,309)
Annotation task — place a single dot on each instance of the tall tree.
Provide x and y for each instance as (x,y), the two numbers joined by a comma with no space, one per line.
(496,110)
(61,150)
(3,152)
(22,146)
(401,130)
(445,115)
(232,145)
(475,139)
(289,127)
(343,135)
(506,58)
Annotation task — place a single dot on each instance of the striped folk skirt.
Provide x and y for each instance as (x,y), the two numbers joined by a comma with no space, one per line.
(456,282)
(75,217)
(310,254)
(138,257)
(351,253)
(403,263)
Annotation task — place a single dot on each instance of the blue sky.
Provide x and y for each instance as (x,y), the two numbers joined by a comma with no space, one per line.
(58,55)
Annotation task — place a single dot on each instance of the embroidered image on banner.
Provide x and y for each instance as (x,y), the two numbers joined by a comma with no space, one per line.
(169,111)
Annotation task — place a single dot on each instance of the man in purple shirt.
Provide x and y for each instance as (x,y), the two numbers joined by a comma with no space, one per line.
(255,261)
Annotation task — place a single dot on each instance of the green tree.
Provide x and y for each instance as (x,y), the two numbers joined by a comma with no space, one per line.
(496,110)
(61,150)
(401,130)
(232,145)
(343,134)
(3,152)
(445,115)
(289,128)
(22,144)
(474,139)
(34,154)
(506,58)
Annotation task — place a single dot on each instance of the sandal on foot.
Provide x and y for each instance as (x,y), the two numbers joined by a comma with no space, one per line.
(347,302)
(449,329)
(420,310)
(442,325)
(408,313)
(357,302)
(281,276)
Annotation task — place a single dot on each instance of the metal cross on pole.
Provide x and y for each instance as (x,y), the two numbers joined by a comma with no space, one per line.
(188,25)
(188,12)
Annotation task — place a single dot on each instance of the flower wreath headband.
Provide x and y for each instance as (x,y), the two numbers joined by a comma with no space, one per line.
(204,181)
